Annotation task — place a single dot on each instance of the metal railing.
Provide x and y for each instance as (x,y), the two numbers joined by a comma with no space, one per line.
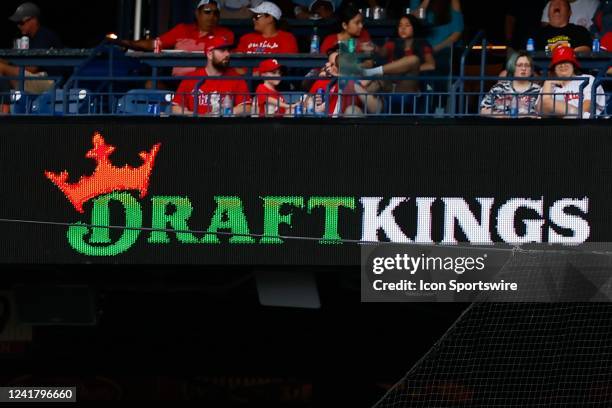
(115,94)
(340,98)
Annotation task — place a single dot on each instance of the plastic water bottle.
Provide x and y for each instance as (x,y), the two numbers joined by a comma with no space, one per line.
(310,105)
(351,45)
(228,106)
(596,44)
(314,42)
(298,111)
(514,111)
(530,45)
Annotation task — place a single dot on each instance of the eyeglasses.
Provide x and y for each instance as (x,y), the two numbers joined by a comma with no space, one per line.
(210,11)
(523,65)
(24,21)
(258,16)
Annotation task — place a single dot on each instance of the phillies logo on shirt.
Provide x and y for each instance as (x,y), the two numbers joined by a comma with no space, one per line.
(571,96)
(261,46)
(205,99)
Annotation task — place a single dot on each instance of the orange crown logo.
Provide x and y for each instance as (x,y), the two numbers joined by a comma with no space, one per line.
(106,178)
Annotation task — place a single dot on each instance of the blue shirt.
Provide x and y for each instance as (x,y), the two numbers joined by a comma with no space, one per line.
(439,33)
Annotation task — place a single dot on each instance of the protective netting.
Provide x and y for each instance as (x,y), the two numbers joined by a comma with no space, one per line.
(523,354)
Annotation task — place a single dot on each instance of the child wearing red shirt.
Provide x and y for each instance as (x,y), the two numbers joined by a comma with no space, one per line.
(269,101)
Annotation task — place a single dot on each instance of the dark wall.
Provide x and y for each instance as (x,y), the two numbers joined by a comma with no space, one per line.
(79,24)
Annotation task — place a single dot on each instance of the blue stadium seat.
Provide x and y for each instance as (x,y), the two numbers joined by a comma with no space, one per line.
(78,101)
(145,102)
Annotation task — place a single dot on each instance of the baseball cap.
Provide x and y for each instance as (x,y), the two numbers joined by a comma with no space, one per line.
(25,10)
(270,8)
(268,65)
(330,2)
(205,2)
(563,54)
(217,43)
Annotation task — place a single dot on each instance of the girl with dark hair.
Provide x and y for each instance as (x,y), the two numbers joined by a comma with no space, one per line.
(409,41)
(351,22)
(408,54)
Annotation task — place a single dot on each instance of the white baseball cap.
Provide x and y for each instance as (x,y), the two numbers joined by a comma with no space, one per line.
(205,2)
(270,8)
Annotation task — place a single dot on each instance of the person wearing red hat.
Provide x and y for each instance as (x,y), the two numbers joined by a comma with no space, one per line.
(213,93)
(269,101)
(561,96)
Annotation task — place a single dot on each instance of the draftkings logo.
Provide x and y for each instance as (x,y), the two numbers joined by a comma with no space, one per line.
(447,220)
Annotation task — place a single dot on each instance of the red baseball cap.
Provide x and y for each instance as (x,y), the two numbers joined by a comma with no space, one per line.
(217,43)
(563,54)
(268,65)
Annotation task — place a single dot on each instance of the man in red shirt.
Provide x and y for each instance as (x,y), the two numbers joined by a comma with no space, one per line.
(267,38)
(190,37)
(213,95)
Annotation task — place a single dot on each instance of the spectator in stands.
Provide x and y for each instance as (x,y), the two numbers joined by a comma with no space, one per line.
(267,38)
(602,21)
(212,93)
(187,37)
(190,37)
(560,32)
(351,22)
(269,101)
(409,54)
(316,9)
(27,18)
(351,99)
(560,96)
(582,12)
(516,98)
(445,19)
(522,20)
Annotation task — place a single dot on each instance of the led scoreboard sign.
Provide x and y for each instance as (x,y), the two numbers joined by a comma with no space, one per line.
(297,194)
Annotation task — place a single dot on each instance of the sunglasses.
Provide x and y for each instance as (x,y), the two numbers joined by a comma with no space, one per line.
(24,21)
(210,11)
(258,16)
